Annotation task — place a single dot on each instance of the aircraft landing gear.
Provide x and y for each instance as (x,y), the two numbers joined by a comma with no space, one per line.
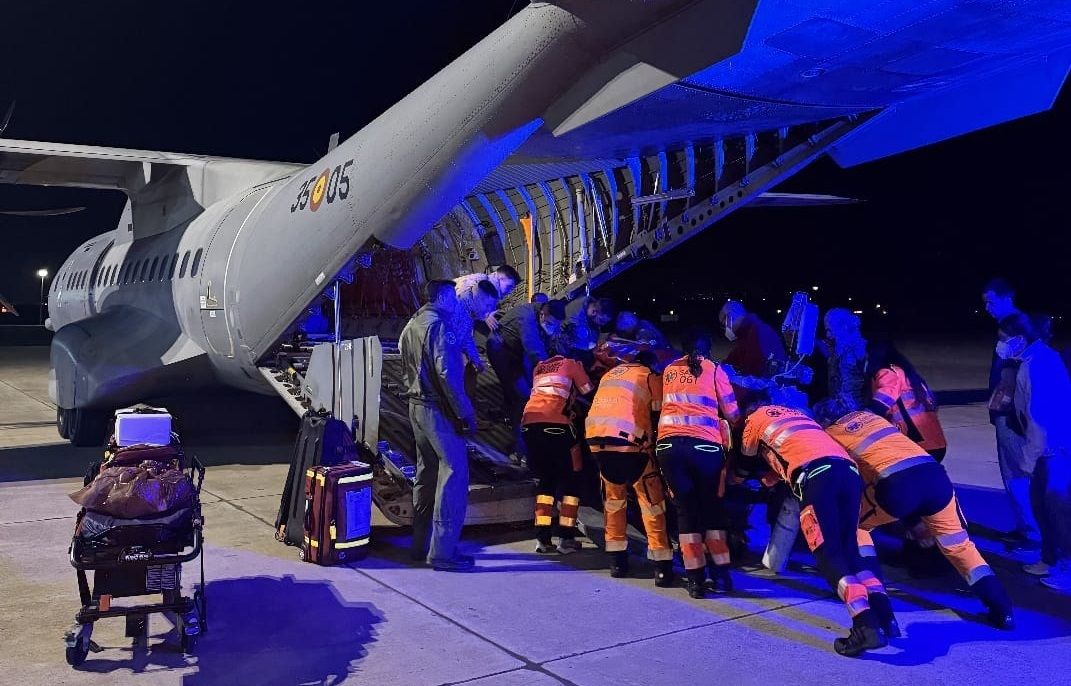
(82,427)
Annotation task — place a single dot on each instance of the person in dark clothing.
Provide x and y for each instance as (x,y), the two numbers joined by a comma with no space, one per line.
(441,415)
(1016,469)
(522,341)
(754,341)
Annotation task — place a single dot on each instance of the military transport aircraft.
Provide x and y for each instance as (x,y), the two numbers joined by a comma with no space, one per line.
(579,138)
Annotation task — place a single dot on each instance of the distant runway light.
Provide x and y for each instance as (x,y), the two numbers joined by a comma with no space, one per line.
(779,312)
(814,288)
(878,306)
(42,273)
(672,312)
(857,312)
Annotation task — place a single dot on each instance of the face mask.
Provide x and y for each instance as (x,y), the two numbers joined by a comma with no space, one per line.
(1011,348)
(729,333)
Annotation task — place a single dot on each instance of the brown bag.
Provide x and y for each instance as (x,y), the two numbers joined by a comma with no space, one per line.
(146,489)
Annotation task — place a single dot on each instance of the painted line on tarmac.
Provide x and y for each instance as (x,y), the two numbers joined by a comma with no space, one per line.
(704,625)
(529,665)
(35,521)
(31,397)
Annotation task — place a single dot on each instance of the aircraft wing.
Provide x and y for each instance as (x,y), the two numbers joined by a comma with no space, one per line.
(58,164)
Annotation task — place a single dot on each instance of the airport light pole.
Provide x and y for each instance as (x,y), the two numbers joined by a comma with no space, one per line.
(42,274)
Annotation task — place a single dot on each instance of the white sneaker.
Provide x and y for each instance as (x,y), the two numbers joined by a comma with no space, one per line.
(568,546)
(1059,578)
(544,548)
(1039,568)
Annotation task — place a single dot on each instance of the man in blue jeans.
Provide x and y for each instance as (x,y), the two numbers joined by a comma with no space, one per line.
(1016,466)
(442,416)
(1042,405)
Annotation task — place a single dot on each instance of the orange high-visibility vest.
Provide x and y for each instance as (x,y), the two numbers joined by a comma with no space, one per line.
(787,439)
(878,447)
(891,387)
(556,383)
(693,406)
(623,404)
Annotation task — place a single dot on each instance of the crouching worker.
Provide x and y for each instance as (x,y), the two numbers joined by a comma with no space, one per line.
(619,431)
(697,399)
(552,449)
(904,482)
(826,481)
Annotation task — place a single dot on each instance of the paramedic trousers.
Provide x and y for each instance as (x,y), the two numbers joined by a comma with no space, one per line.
(830,490)
(441,492)
(1016,471)
(620,471)
(692,469)
(550,458)
(924,492)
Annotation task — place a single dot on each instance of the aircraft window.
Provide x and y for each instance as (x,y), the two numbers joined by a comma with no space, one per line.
(144,268)
(174,263)
(123,272)
(111,274)
(196,262)
(185,260)
(163,267)
(152,269)
(100,277)
(81,279)
(132,272)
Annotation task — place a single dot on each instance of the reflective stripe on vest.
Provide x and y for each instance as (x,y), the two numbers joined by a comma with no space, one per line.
(904,464)
(625,426)
(875,437)
(690,398)
(668,420)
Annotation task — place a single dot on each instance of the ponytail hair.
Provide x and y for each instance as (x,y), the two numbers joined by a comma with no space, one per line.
(697,345)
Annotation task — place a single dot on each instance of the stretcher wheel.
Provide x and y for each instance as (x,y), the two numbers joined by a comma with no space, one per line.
(77,655)
(78,644)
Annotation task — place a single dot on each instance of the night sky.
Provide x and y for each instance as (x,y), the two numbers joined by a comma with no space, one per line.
(268,81)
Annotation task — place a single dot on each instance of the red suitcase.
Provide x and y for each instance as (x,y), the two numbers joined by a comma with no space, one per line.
(338,513)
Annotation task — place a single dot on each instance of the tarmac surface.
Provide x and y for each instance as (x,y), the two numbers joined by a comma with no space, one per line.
(522,619)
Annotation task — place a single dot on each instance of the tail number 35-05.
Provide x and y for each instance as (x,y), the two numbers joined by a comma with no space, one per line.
(327,186)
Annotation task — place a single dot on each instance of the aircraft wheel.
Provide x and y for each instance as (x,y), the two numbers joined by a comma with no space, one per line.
(63,422)
(87,428)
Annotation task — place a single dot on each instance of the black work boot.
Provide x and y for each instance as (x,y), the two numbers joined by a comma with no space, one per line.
(720,579)
(663,577)
(619,564)
(882,607)
(695,581)
(864,636)
(996,600)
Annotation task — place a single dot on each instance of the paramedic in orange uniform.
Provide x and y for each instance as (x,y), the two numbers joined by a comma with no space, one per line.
(903,482)
(550,437)
(693,435)
(826,481)
(620,432)
(901,395)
